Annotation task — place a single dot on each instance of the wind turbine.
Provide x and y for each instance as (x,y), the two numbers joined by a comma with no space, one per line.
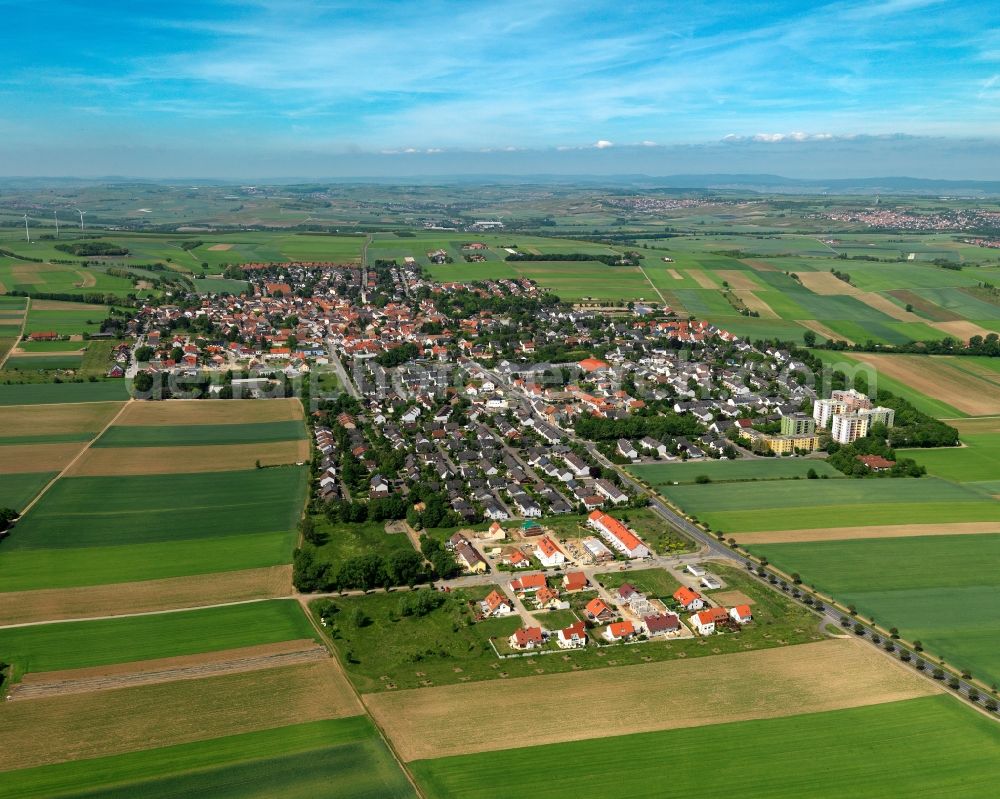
(27,235)
(55,214)
(81,216)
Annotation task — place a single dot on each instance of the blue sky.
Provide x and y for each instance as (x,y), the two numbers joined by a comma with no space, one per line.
(275,87)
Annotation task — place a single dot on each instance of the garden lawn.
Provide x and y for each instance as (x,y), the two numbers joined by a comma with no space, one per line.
(77,645)
(926,747)
(941,590)
(726,470)
(200,434)
(79,512)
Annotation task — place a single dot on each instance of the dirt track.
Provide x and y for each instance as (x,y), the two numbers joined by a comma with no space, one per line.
(823,330)
(148,672)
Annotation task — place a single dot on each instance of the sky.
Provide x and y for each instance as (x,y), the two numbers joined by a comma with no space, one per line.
(271,88)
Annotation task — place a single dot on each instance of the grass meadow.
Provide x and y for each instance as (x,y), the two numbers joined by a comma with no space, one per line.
(929,746)
(941,590)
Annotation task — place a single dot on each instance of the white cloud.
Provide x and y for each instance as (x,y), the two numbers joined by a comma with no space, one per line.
(603,144)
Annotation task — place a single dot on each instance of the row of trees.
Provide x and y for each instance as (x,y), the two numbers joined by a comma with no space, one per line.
(311,573)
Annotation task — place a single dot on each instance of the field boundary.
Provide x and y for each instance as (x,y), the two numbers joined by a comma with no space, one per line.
(808,536)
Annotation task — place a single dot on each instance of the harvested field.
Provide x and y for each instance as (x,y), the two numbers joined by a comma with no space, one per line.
(129,719)
(961,329)
(826,283)
(88,417)
(760,266)
(702,278)
(211,412)
(436,722)
(755,303)
(823,330)
(185,667)
(937,379)
(730,598)
(15,458)
(886,306)
(23,607)
(63,305)
(984,424)
(739,280)
(675,274)
(183,460)
(220,247)
(875,531)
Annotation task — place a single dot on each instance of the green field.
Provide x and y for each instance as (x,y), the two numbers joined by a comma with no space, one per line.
(77,645)
(922,747)
(59,278)
(340,758)
(17,490)
(52,346)
(941,590)
(54,393)
(28,569)
(81,512)
(724,470)
(201,434)
(794,504)
(67,321)
(979,459)
(44,362)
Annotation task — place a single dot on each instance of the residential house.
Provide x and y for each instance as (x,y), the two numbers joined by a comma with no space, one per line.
(574,581)
(704,621)
(596,610)
(618,535)
(741,614)
(661,624)
(619,631)
(527,638)
(496,604)
(688,598)
(572,637)
(548,553)
(527,584)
